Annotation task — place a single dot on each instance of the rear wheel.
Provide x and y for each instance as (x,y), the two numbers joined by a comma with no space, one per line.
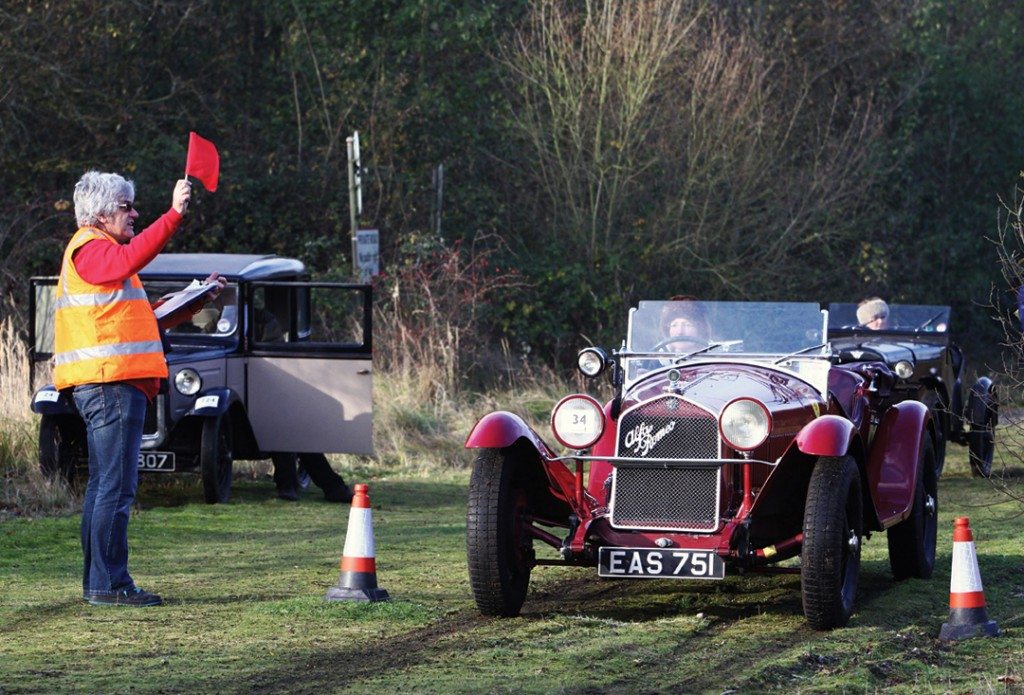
(216,458)
(833,526)
(498,547)
(60,442)
(981,441)
(912,541)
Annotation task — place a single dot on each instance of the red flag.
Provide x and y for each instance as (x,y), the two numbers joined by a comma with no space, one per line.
(203,162)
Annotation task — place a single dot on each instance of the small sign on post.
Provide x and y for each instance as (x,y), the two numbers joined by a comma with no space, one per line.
(368,253)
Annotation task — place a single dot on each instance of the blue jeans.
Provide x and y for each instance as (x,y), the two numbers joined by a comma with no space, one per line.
(114,414)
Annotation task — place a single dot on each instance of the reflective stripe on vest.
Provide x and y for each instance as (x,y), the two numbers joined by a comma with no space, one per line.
(95,353)
(100,298)
(103,332)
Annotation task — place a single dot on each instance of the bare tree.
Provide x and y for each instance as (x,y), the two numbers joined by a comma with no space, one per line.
(1010,441)
(660,130)
(590,83)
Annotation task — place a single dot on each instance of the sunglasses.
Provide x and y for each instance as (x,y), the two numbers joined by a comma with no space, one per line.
(127,207)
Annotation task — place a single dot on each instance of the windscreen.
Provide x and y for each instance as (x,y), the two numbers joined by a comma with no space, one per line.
(902,318)
(761,328)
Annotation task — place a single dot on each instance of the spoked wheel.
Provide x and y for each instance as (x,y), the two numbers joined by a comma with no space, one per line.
(216,458)
(912,541)
(498,547)
(833,526)
(981,441)
(60,442)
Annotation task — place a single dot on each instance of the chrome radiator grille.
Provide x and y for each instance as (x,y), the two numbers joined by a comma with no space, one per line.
(668,428)
(672,498)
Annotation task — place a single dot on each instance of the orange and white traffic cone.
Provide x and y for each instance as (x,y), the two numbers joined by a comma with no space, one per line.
(358,578)
(967,614)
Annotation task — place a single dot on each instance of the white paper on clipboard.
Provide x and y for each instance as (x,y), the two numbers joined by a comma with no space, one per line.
(176,300)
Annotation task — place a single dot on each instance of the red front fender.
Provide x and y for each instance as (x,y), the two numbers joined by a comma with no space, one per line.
(892,466)
(828,435)
(502,429)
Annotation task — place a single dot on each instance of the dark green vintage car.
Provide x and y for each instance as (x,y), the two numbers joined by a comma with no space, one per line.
(916,344)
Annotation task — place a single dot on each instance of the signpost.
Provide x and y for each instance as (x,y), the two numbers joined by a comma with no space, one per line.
(355,196)
(367,254)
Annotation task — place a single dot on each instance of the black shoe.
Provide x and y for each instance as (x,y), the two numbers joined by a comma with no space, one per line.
(288,494)
(125,597)
(341,495)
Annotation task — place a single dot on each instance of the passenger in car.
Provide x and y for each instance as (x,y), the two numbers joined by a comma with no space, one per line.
(873,313)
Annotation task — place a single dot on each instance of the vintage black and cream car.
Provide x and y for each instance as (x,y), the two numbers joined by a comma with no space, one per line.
(736,437)
(277,363)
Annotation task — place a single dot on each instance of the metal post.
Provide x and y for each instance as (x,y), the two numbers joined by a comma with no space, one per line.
(352,203)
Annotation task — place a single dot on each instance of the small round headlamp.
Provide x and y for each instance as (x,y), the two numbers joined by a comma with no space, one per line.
(591,361)
(745,424)
(904,369)
(188,382)
(577,421)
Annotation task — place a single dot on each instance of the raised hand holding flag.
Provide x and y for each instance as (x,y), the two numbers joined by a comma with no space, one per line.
(203,162)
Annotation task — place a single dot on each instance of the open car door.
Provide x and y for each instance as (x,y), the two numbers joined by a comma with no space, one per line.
(309,366)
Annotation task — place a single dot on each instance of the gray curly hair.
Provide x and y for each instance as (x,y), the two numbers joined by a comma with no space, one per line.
(98,194)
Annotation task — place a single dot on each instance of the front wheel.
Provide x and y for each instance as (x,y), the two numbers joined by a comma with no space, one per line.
(912,541)
(833,527)
(216,458)
(499,549)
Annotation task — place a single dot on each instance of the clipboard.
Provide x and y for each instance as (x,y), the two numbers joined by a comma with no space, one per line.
(176,300)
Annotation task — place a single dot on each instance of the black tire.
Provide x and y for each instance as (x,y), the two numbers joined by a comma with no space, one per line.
(216,458)
(981,442)
(59,445)
(833,527)
(912,541)
(941,418)
(498,549)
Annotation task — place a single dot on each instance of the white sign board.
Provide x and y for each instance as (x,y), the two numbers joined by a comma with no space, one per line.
(368,253)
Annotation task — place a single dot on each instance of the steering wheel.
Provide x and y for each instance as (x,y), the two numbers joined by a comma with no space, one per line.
(697,343)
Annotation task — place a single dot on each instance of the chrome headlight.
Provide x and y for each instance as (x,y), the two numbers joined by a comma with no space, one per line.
(745,424)
(188,382)
(577,421)
(904,369)
(591,361)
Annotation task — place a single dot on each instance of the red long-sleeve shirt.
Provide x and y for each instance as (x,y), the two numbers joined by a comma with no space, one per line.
(99,262)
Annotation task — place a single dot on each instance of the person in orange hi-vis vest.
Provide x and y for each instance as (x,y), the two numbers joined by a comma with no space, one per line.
(107,349)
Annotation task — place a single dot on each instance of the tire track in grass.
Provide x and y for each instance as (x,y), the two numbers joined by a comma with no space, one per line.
(710,650)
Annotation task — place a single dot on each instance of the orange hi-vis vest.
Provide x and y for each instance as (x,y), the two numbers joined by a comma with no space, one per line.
(103,333)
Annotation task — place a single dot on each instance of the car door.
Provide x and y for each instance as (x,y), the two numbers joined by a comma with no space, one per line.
(309,369)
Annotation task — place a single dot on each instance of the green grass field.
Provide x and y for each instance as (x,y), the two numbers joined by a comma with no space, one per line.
(244,586)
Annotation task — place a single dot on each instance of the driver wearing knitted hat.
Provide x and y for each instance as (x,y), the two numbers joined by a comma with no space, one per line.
(684,317)
(873,313)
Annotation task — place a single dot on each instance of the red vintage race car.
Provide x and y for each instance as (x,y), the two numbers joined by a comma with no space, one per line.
(735,439)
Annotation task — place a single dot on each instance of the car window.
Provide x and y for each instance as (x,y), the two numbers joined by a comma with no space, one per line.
(217,318)
(311,313)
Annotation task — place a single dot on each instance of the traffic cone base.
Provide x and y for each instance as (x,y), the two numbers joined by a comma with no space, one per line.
(968,622)
(357,579)
(968,616)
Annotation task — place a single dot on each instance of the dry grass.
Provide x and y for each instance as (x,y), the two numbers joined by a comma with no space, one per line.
(25,491)
(423,413)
